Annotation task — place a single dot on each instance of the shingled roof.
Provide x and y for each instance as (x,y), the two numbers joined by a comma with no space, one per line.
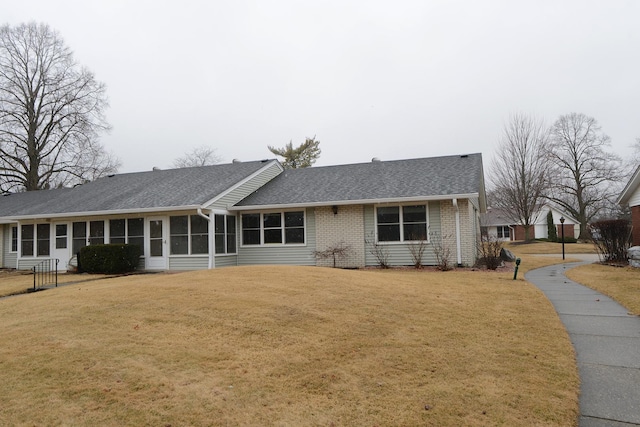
(133,192)
(377,181)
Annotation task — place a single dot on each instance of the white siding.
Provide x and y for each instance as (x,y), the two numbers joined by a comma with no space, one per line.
(226,261)
(283,254)
(242,191)
(188,262)
(635,198)
(399,253)
(9,259)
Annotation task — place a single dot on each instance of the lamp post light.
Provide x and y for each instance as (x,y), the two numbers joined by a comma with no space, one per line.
(562,233)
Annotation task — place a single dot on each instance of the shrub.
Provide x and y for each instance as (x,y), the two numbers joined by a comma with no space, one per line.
(551,228)
(612,238)
(489,248)
(109,259)
(567,239)
(338,251)
(380,252)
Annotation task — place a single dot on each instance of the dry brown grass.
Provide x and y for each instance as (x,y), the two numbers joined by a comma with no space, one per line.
(287,346)
(551,248)
(620,283)
(14,282)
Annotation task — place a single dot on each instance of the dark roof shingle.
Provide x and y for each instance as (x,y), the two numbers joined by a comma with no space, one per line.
(425,177)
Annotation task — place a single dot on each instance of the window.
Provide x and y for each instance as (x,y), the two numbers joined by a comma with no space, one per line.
(96,232)
(272,223)
(273,228)
(27,236)
(117,231)
(129,231)
(251,229)
(402,223)
(14,239)
(179,234)
(135,232)
(189,234)
(225,234)
(503,231)
(43,239)
(35,239)
(79,236)
(199,235)
(61,236)
(294,227)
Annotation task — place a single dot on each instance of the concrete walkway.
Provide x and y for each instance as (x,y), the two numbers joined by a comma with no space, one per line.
(606,339)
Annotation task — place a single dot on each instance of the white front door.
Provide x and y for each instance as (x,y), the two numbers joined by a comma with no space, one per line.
(156,244)
(61,244)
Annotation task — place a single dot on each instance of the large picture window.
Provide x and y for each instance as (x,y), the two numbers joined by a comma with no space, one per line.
(189,234)
(27,236)
(402,223)
(43,239)
(273,228)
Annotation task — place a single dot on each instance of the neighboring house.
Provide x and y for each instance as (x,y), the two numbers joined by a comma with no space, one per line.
(247,213)
(498,223)
(630,196)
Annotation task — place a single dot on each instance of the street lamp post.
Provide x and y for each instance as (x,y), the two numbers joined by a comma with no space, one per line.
(562,233)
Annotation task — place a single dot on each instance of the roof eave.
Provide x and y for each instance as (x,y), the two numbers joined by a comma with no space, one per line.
(633,183)
(353,202)
(103,213)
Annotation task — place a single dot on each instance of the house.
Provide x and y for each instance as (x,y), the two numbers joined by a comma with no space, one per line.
(498,223)
(257,212)
(630,196)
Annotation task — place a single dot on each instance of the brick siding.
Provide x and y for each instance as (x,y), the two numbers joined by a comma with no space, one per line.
(346,226)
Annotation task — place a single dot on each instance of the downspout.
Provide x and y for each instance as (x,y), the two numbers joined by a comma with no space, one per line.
(211,247)
(458,242)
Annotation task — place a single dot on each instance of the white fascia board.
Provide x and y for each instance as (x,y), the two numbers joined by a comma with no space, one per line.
(354,202)
(105,213)
(244,181)
(630,188)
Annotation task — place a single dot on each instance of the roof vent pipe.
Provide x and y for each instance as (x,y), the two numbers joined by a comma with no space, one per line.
(375,159)
(236,161)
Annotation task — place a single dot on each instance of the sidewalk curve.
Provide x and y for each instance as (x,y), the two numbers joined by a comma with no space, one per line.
(606,339)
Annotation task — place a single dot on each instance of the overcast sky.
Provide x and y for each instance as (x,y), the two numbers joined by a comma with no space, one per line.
(384,79)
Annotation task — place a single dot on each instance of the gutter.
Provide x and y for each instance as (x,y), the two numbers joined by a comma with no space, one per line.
(458,242)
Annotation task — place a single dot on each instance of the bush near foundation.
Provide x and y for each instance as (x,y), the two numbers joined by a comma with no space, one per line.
(109,259)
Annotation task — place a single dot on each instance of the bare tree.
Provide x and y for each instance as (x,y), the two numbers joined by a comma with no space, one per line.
(51,113)
(380,252)
(199,156)
(519,170)
(339,250)
(302,156)
(585,178)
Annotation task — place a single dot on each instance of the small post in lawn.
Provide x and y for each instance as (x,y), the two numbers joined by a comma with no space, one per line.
(562,233)
(515,272)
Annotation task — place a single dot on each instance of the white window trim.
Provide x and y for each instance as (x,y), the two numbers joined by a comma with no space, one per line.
(262,243)
(402,241)
(35,241)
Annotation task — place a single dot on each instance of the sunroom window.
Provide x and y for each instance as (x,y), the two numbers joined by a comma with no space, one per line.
(225,228)
(189,234)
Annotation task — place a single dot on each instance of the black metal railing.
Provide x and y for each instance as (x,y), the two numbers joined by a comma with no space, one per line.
(45,274)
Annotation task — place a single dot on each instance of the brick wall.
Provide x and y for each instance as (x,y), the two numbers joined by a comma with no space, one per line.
(468,230)
(635,223)
(346,226)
